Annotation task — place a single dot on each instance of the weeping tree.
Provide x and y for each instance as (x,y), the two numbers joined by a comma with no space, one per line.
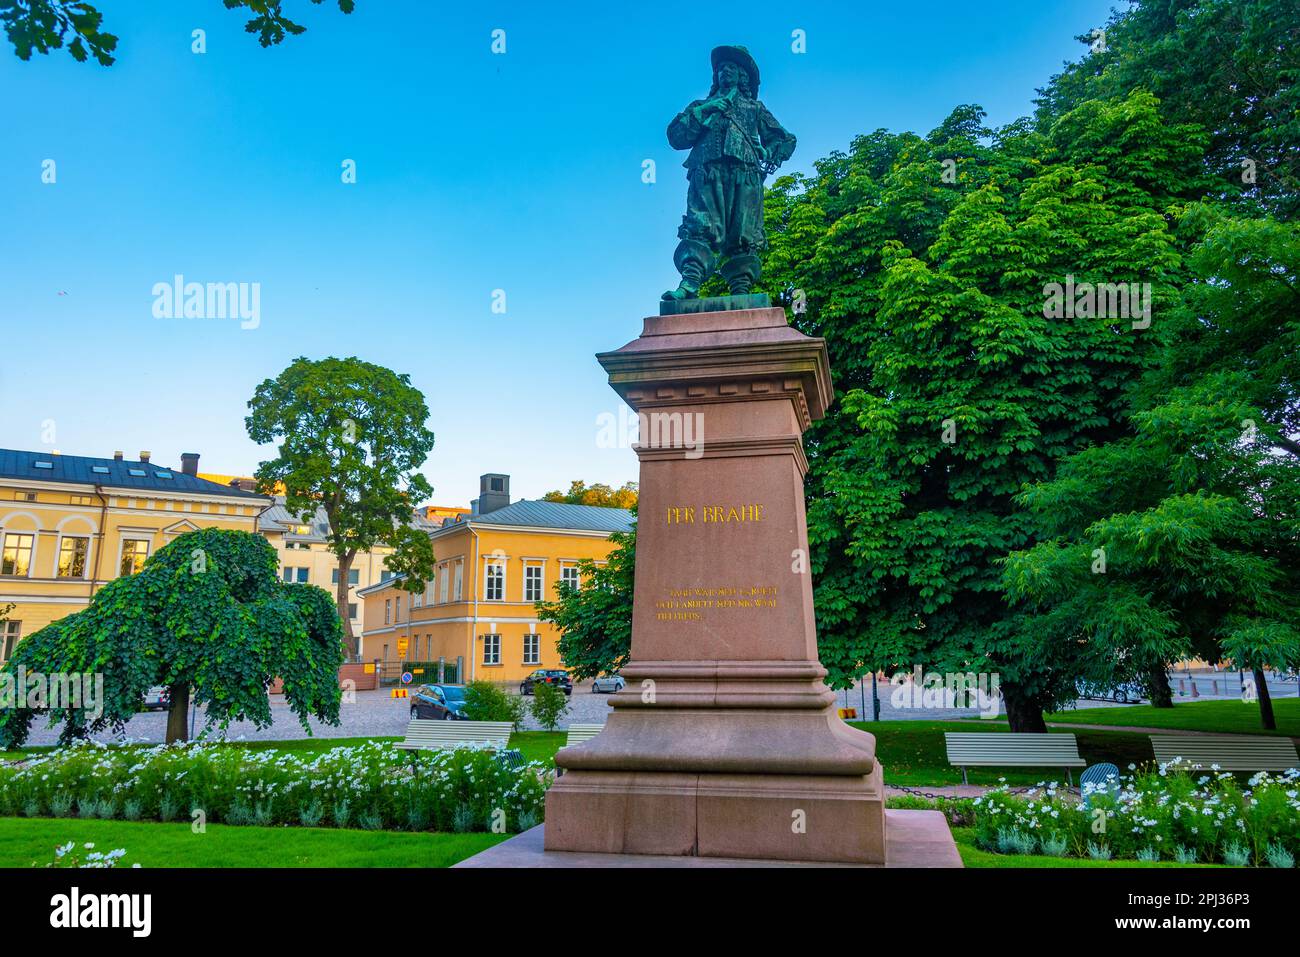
(209,619)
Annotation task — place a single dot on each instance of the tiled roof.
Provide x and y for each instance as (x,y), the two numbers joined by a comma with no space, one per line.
(540,514)
(78,469)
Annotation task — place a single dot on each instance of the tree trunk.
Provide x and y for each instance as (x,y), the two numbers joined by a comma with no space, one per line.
(1265,702)
(178,715)
(341,599)
(1162,696)
(1024,714)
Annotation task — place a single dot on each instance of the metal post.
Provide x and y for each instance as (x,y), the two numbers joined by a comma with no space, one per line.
(875,699)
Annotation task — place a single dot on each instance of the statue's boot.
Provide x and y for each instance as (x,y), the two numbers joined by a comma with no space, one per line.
(691,259)
(741,272)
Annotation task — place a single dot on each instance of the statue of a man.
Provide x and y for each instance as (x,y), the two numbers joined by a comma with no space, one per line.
(734,142)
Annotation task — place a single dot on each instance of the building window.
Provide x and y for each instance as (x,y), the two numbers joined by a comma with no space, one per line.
(460,570)
(298,576)
(532,648)
(354,576)
(385,574)
(397,607)
(417,600)
(388,612)
(352,609)
(569,575)
(24,496)
(495,583)
(134,552)
(82,500)
(17,555)
(442,584)
(10,632)
(532,582)
(491,649)
(72,557)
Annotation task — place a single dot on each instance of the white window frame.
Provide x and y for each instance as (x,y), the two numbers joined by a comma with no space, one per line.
(539,579)
(9,629)
(492,649)
(532,648)
(442,583)
(388,611)
(571,573)
(459,582)
(121,551)
(31,553)
(489,564)
(58,557)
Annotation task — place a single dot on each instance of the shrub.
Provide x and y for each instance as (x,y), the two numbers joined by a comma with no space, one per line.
(1171,811)
(1100,851)
(1055,846)
(550,704)
(60,806)
(1236,855)
(373,784)
(485,701)
(1279,856)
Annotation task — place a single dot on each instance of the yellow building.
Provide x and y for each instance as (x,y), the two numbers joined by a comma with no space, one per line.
(303,547)
(478,614)
(70,524)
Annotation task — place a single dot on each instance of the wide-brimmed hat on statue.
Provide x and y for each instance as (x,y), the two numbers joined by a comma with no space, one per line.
(739,56)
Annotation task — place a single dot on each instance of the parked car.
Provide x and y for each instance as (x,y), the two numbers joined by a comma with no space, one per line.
(556,677)
(157,698)
(607,684)
(439,702)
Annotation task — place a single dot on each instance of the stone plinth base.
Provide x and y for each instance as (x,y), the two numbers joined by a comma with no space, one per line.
(789,817)
(915,839)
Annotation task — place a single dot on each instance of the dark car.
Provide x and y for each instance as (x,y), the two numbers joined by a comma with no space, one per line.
(558,678)
(440,702)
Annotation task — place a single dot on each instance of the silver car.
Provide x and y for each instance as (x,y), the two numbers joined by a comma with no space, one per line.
(607,684)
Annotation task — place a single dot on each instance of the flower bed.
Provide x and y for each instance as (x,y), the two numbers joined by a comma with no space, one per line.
(1173,812)
(372,786)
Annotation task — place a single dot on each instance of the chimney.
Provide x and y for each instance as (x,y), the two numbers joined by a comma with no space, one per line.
(190,463)
(493,492)
(117,456)
(144,456)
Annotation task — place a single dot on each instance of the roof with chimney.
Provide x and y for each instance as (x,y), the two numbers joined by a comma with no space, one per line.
(278,518)
(144,476)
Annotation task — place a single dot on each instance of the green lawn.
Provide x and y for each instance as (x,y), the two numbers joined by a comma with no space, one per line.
(25,842)
(1229,717)
(973,856)
(913,754)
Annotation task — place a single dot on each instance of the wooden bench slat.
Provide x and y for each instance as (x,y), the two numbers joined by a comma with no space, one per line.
(579,733)
(1231,752)
(428,734)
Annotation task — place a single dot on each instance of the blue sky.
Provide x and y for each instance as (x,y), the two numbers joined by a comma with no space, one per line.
(475,172)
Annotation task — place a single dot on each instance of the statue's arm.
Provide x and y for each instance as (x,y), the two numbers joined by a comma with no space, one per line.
(686,128)
(776,139)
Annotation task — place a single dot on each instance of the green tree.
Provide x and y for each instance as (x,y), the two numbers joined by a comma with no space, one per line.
(580,493)
(549,706)
(1180,537)
(1229,66)
(595,619)
(352,435)
(926,264)
(44,25)
(208,618)
(485,701)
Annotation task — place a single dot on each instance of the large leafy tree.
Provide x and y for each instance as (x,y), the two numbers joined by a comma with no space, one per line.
(39,26)
(352,435)
(595,619)
(924,262)
(1183,537)
(1229,66)
(208,618)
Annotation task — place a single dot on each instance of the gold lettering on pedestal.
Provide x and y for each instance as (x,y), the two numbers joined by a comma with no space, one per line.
(693,604)
(714,514)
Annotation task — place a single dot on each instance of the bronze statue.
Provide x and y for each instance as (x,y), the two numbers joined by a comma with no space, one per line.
(734,142)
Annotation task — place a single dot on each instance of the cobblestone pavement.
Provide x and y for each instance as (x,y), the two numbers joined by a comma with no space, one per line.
(376,714)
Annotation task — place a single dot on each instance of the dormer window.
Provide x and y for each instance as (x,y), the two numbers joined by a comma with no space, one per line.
(42,465)
(138,473)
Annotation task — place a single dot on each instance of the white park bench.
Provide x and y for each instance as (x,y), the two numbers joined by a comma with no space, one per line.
(427,734)
(1011,750)
(1231,752)
(579,733)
